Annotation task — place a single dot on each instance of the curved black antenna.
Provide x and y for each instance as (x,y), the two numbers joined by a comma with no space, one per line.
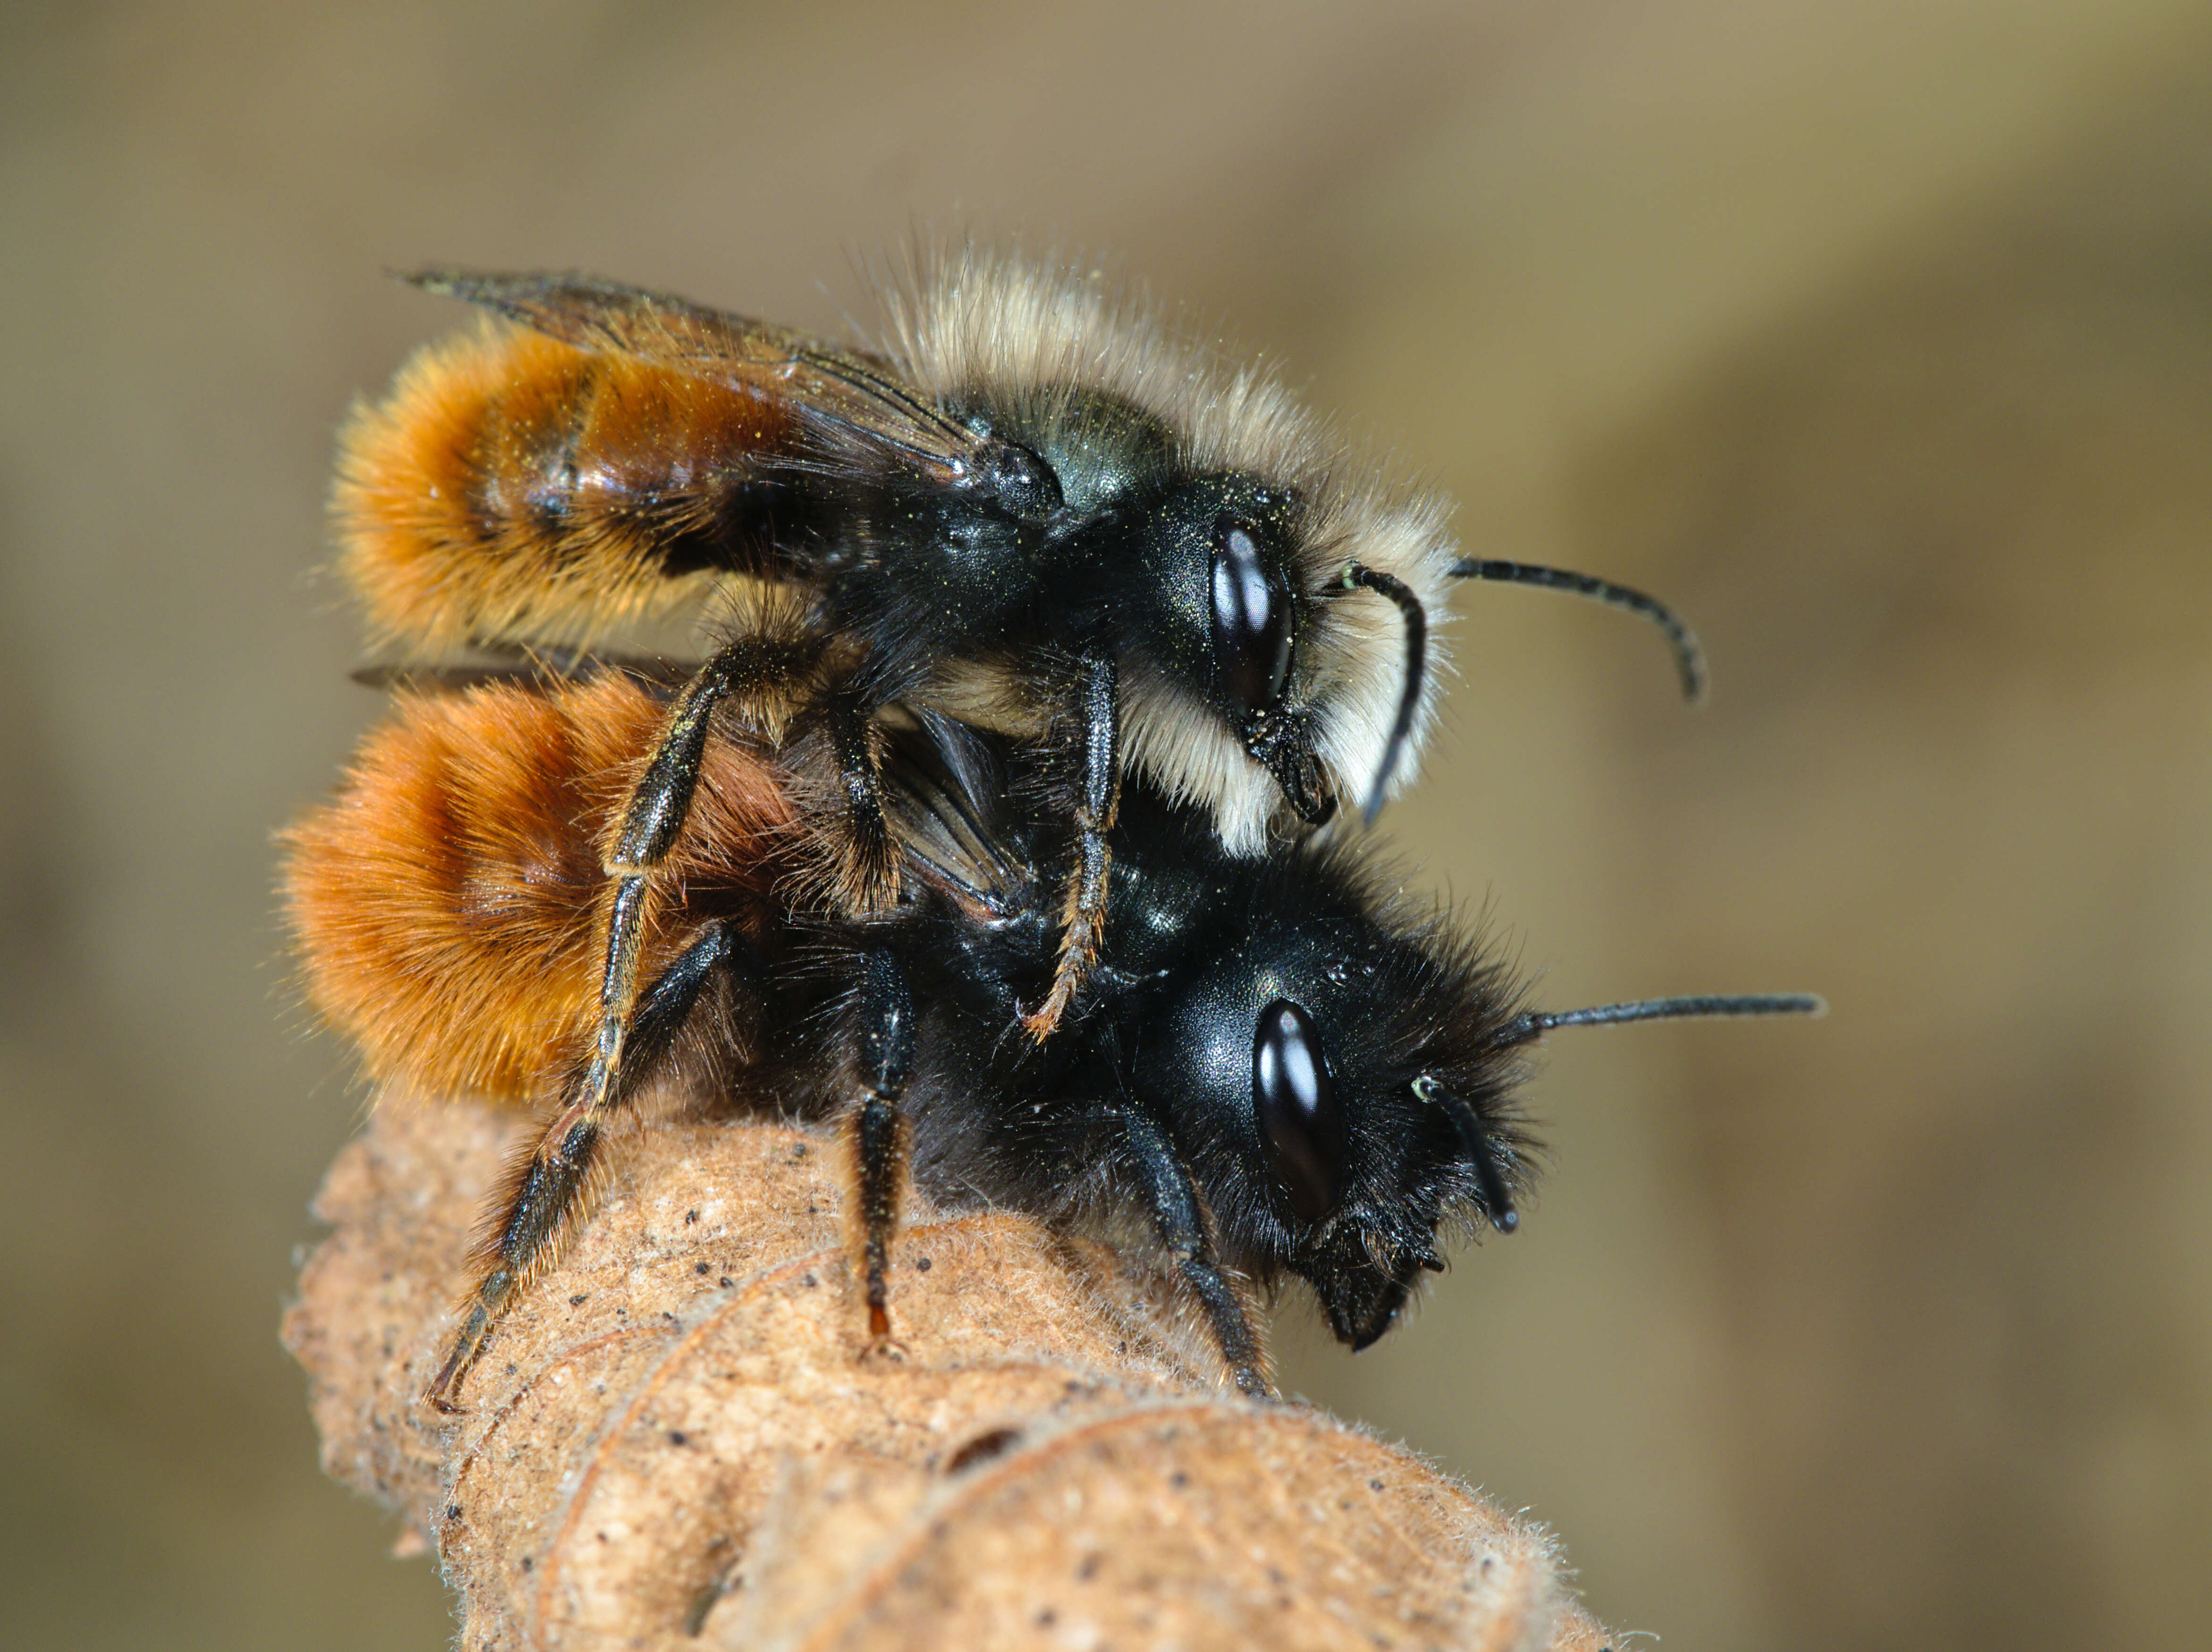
(1689,655)
(1534,1024)
(1481,1151)
(1417,655)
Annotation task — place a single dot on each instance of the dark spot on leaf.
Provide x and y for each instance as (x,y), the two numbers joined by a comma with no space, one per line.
(981,1449)
(704,1602)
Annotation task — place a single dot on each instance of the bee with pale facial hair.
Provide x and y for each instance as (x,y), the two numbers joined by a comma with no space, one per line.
(1031,510)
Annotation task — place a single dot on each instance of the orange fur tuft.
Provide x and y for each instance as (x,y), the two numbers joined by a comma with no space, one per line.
(511,487)
(450,905)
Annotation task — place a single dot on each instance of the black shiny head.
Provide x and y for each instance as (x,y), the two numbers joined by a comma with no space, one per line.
(1289,1066)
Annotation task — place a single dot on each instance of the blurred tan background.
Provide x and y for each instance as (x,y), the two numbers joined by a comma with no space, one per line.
(1877,335)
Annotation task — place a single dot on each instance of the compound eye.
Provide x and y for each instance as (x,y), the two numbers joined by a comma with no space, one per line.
(1251,618)
(1296,1107)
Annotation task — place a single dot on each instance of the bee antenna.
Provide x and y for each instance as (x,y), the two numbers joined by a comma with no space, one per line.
(1689,654)
(1532,1024)
(1481,1151)
(1409,698)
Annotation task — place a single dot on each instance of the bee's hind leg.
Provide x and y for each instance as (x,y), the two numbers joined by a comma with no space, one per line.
(546,1191)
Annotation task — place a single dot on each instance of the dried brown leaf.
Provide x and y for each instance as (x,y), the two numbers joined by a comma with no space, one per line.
(671,1443)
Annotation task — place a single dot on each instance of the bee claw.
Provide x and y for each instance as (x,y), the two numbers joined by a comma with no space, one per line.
(885,1350)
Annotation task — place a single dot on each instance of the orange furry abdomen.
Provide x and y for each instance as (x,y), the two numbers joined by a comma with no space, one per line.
(450,904)
(512,487)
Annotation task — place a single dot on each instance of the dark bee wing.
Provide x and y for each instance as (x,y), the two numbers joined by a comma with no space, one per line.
(849,390)
(542,667)
(947,791)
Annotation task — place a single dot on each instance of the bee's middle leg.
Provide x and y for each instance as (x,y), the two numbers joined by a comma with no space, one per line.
(859,850)
(1083,913)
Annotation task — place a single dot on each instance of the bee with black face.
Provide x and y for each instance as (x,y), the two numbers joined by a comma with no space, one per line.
(1278,1068)
(1032,510)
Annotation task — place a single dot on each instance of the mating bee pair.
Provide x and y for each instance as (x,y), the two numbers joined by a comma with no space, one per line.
(1046,646)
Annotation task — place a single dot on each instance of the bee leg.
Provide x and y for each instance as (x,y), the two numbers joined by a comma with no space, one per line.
(1083,915)
(752,670)
(546,1189)
(863,862)
(879,1129)
(542,1202)
(1180,1216)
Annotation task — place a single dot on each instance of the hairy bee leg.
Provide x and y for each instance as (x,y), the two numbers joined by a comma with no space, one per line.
(536,1210)
(751,667)
(547,1187)
(880,1134)
(1180,1217)
(750,670)
(866,866)
(1083,916)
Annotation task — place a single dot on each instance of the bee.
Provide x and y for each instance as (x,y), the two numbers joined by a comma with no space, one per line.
(1031,510)
(1276,1067)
